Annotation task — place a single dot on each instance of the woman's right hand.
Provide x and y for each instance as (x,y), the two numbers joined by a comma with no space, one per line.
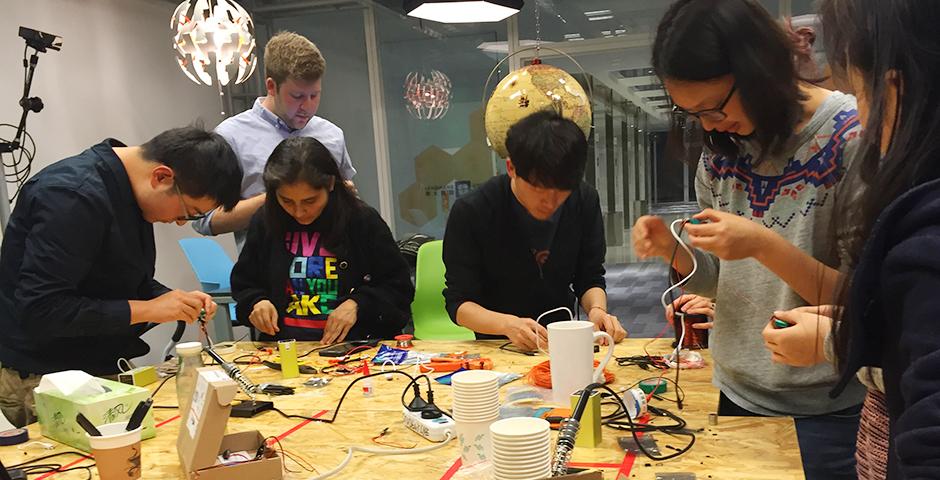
(264,317)
(527,334)
(693,305)
(651,238)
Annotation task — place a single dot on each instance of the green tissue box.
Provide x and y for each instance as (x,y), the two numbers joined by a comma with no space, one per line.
(57,412)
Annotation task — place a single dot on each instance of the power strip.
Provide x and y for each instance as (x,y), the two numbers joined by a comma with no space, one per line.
(433,429)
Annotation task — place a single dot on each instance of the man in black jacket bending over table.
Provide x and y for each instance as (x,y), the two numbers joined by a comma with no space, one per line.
(529,241)
(77,261)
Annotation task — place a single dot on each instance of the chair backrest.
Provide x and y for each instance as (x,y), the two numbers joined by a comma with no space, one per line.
(430,317)
(210,263)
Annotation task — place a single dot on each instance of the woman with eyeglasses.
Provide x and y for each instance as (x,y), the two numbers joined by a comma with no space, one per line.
(318,263)
(888,330)
(776,153)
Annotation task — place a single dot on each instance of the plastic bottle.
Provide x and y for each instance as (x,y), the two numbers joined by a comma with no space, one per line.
(190,358)
(367,382)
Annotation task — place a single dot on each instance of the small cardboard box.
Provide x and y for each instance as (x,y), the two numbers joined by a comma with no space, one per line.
(57,412)
(203,438)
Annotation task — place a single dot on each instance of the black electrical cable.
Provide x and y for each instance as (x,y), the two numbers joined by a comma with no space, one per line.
(671,431)
(349,387)
(161,385)
(46,457)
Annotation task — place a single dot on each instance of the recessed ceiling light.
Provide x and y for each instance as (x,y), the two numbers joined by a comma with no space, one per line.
(462,11)
(602,17)
(594,13)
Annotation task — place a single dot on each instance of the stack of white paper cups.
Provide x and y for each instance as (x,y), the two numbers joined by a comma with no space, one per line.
(476,406)
(521,449)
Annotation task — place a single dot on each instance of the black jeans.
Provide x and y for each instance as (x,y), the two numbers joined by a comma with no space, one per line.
(827,442)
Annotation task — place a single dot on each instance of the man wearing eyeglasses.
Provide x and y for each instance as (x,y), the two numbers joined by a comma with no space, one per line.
(77,285)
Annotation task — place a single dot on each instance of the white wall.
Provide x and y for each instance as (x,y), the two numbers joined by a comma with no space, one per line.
(116,76)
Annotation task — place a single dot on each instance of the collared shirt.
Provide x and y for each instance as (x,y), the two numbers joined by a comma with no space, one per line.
(253,135)
(77,248)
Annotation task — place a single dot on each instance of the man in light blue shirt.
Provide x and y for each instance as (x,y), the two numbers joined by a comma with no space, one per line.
(293,69)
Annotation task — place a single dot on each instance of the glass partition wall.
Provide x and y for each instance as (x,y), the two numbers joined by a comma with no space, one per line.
(409,95)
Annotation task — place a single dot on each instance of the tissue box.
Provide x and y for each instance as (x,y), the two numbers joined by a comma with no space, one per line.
(57,412)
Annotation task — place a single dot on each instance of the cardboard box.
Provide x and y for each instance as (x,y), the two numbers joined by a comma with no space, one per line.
(57,412)
(202,439)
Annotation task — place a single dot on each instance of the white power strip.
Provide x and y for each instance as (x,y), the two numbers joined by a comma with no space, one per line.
(433,429)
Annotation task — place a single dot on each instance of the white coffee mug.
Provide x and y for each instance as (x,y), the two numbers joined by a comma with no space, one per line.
(571,352)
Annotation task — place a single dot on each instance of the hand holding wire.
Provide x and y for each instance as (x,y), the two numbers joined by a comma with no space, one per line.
(726,235)
(802,344)
(526,333)
(651,238)
(693,305)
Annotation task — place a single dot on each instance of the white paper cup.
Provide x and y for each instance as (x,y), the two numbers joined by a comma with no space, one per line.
(117,451)
(520,427)
(543,472)
(477,416)
(474,438)
(506,460)
(473,377)
(483,405)
(478,400)
(522,476)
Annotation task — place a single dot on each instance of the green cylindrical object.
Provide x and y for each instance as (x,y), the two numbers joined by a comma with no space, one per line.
(653,386)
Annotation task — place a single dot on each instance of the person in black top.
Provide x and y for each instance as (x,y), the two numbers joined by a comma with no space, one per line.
(318,263)
(530,241)
(77,260)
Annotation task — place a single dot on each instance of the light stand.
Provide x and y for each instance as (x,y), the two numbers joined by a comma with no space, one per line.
(39,41)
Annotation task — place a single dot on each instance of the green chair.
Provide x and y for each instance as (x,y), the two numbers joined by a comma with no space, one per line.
(430,317)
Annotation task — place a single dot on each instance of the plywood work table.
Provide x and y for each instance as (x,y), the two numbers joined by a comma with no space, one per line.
(735,448)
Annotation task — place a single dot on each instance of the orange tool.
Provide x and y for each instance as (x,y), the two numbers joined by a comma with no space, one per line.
(454,362)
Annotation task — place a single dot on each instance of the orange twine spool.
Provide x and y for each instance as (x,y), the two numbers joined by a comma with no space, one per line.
(541,375)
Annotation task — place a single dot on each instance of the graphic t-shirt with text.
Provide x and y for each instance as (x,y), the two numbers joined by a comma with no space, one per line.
(312,284)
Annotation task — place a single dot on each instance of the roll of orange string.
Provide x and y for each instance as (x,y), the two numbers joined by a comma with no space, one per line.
(541,375)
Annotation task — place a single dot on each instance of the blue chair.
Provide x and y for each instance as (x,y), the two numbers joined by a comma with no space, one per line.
(213,269)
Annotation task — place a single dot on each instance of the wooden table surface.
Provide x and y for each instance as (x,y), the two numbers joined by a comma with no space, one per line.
(736,448)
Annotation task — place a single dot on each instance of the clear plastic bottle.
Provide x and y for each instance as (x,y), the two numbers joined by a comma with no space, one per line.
(190,358)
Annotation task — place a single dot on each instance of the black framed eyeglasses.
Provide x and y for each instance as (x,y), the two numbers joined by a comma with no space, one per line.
(715,115)
(186,216)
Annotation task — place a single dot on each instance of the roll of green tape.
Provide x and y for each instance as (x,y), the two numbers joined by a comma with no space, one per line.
(653,385)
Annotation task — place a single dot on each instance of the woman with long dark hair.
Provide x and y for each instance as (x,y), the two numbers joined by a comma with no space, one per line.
(888,331)
(318,263)
(776,150)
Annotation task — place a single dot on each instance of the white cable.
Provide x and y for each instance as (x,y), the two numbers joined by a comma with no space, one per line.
(681,337)
(539,321)
(126,362)
(380,451)
(680,283)
(685,247)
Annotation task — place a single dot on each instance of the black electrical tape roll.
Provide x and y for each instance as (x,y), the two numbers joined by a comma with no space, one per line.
(14,437)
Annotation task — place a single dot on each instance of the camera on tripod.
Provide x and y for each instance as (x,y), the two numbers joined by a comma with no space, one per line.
(40,41)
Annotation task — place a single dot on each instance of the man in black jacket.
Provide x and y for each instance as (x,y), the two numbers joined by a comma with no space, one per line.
(77,260)
(529,241)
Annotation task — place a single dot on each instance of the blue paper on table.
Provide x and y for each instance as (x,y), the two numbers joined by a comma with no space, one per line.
(445,379)
(388,354)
